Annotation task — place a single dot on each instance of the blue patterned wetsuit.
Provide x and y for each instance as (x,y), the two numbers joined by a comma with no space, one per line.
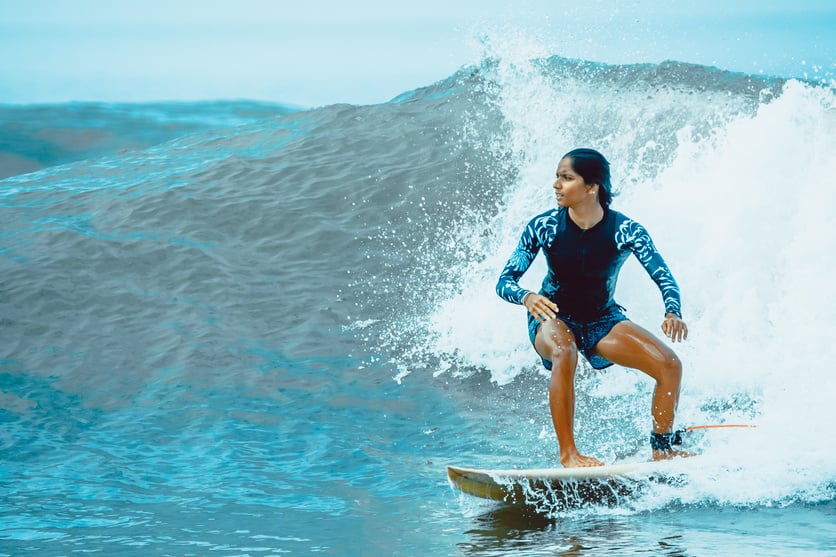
(583,267)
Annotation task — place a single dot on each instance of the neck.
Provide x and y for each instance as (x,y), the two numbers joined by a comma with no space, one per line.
(587,215)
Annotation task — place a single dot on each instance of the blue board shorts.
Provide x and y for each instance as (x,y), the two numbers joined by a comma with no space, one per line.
(587,334)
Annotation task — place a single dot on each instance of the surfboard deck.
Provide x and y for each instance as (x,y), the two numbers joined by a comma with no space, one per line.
(563,487)
(572,487)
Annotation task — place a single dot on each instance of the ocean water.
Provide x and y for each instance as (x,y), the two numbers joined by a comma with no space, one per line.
(36,136)
(270,336)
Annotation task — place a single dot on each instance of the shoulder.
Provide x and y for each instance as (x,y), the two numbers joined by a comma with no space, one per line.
(546,219)
(541,230)
(618,217)
(624,223)
(627,230)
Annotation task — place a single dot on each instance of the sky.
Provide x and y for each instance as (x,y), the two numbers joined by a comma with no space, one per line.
(321,52)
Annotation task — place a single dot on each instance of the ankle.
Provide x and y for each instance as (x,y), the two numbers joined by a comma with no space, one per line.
(665,441)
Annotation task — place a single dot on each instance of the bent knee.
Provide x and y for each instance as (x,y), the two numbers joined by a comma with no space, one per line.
(556,343)
(562,349)
(670,367)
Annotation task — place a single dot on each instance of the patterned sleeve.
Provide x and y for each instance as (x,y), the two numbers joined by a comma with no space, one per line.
(508,286)
(634,236)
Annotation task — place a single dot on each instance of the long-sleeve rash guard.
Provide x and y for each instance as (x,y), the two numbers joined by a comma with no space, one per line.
(583,265)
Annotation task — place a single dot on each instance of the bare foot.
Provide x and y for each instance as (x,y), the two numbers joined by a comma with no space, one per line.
(673,453)
(578,460)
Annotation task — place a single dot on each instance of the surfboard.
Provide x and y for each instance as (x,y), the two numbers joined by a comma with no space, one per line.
(571,487)
(563,487)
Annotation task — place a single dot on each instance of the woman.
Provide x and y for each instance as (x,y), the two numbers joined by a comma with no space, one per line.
(585,244)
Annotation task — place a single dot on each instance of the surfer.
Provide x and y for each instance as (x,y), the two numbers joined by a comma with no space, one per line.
(585,244)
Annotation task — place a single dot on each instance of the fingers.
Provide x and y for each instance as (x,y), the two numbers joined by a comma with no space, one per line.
(675,329)
(681,331)
(541,307)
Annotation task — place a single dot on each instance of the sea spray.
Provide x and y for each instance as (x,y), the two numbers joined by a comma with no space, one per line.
(730,175)
(634,114)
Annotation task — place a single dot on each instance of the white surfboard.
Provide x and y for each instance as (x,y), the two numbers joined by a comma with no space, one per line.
(572,487)
(564,487)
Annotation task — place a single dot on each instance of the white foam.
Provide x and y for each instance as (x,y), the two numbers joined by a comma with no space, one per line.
(744,217)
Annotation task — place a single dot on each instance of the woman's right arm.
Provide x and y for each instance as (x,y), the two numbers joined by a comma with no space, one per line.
(508,286)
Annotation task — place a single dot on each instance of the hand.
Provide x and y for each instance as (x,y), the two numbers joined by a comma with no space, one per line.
(540,307)
(674,327)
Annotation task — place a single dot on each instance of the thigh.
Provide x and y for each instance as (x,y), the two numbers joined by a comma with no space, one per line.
(630,345)
(554,334)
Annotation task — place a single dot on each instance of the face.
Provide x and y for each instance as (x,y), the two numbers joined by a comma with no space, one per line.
(570,188)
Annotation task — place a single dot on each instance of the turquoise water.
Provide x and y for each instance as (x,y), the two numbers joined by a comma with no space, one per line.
(314,466)
(271,338)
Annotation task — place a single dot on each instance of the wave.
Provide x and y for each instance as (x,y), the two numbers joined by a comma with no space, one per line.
(374,234)
(37,136)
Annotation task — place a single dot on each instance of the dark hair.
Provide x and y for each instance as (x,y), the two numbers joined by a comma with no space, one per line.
(595,169)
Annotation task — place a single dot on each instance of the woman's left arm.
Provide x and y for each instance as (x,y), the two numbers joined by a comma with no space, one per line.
(635,237)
